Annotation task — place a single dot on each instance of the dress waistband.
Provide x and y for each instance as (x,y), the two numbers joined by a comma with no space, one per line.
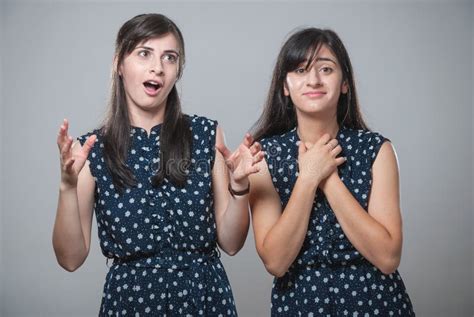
(169,258)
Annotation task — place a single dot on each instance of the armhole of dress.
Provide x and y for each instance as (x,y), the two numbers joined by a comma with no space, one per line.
(377,147)
(375,152)
(270,169)
(212,143)
(82,139)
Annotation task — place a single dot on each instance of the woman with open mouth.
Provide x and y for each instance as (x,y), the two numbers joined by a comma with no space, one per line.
(164,199)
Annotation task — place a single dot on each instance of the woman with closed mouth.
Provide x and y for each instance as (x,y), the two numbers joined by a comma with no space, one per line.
(164,199)
(325,204)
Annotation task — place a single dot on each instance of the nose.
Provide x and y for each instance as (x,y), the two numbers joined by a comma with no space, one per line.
(314,79)
(156,67)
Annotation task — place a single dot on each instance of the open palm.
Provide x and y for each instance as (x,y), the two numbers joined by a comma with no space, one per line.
(72,163)
(243,161)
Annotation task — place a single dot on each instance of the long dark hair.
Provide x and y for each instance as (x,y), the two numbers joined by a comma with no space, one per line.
(175,135)
(279,115)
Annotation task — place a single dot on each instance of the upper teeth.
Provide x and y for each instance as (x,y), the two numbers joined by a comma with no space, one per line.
(153,82)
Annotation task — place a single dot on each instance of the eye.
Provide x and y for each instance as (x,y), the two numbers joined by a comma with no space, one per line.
(326,70)
(300,70)
(170,58)
(143,53)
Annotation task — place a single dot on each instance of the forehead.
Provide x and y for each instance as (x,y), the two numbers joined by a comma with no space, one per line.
(165,42)
(323,53)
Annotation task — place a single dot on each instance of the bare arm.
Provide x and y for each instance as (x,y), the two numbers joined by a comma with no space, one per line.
(72,227)
(232,213)
(377,235)
(279,235)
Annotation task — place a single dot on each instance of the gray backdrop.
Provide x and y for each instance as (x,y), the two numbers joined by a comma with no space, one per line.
(413,63)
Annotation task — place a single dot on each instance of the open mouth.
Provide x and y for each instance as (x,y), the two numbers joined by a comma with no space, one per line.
(152,86)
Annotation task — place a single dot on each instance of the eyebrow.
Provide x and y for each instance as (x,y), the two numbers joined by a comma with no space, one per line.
(151,49)
(319,59)
(327,59)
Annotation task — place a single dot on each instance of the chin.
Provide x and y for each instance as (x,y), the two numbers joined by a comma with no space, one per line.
(312,109)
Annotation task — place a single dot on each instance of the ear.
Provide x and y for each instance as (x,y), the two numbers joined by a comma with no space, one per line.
(344,87)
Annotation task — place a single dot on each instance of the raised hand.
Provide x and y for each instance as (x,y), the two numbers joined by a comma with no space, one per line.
(71,163)
(243,161)
(317,161)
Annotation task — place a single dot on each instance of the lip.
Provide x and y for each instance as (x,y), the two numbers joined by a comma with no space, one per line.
(152,92)
(314,94)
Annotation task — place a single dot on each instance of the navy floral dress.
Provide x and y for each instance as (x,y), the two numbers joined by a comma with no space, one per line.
(330,277)
(162,240)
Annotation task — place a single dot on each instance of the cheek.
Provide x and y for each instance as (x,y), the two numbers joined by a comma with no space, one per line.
(128,83)
(127,74)
(294,84)
(336,85)
(171,72)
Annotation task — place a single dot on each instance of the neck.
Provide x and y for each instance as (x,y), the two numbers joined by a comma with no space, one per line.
(146,119)
(311,128)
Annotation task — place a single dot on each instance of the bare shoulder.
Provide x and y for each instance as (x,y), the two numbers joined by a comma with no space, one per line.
(386,158)
(220,137)
(85,176)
